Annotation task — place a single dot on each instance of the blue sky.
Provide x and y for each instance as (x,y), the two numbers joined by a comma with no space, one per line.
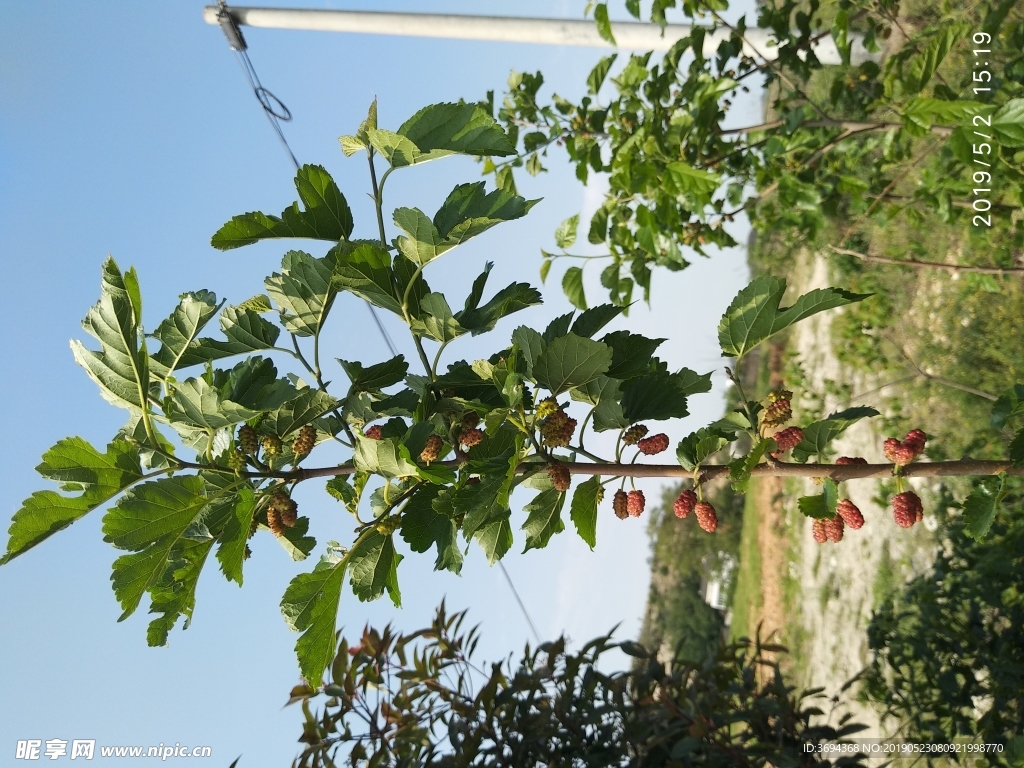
(127,128)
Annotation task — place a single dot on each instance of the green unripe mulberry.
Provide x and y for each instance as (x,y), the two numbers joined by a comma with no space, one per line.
(247,439)
(271,445)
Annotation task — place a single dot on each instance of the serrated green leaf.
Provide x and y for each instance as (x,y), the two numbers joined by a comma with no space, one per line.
(696,447)
(439,130)
(179,331)
(152,520)
(375,377)
(606,394)
(78,467)
(258,303)
(468,211)
(594,319)
(693,383)
(508,300)
(121,367)
(423,526)
(740,469)
(531,344)
(326,215)
(544,519)
(684,180)
(366,272)
(572,286)
(565,235)
(247,331)
(819,434)
(304,291)
(310,606)
(198,403)
(304,408)
(583,510)
(604,26)
(174,593)
(361,140)
(918,71)
(923,112)
(1008,123)
(386,457)
(823,505)
(571,361)
(1015,451)
(654,397)
(631,353)
(980,507)
(755,315)
(1009,405)
(435,319)
(598,74)
(495,538)
(231,553)
(558,327)
(373,565)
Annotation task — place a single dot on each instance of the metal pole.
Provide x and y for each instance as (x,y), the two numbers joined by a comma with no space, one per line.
(628,35)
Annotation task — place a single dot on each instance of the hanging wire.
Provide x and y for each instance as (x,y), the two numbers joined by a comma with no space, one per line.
(276,113)
(522,607)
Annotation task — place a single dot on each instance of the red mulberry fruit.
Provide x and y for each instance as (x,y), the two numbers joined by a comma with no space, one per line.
(850,514)
(685,503)
(707,518)
(431,450)
(304,443)
(915,442)
(247,439)
(818,530)
(904,453)
(907,509)
(777,413)
(632,435)
(619,505)
(274,521)
(654,444)
(271,445)
(635,503)
(560,477)
(845,460)
(285,507)
(890,448)
(788,438)
(373,433)
(471,437)
(834,529)
(470,419)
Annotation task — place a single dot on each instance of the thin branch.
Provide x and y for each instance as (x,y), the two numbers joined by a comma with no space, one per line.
(778,70)
(899,177)
(945,382)
(931,264)
(840,473)
(847,125)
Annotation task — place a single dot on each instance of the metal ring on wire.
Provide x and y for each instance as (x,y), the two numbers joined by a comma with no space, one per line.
(273,105)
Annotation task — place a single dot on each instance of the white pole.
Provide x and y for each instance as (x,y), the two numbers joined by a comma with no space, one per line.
(628,35)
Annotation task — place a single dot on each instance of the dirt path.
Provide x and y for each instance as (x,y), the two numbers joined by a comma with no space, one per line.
(840,583)
(772,545)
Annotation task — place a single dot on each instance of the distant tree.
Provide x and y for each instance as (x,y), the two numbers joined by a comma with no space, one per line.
(948,646)
(419,700)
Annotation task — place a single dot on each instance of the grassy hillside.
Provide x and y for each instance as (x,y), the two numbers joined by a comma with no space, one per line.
(931,349)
